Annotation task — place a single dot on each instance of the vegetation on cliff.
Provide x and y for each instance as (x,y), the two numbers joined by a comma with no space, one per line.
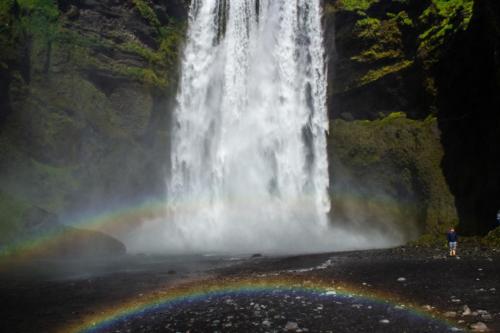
(84,89)
(426,58)
(384,53)
(387,173)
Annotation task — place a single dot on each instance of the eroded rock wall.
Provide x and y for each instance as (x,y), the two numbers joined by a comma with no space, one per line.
(85,94)
(435,62)
(86,89)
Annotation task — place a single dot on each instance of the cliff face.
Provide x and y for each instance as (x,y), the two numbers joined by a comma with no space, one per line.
(85,93)
(429,60)
(386,175)
(87,87)
(468,80)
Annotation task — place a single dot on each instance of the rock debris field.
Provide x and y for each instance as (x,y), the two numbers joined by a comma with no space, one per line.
(396,290)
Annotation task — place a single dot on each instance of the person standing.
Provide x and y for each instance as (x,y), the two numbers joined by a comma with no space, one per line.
(452,241)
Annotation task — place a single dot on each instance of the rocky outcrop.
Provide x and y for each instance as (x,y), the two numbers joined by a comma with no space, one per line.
(386,176)
(86,88)
(428,58)
(32,232)
(384,51)
(468,80)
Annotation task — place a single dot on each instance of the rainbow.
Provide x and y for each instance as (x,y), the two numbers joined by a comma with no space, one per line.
(274,285)
(120,220)
(113,222)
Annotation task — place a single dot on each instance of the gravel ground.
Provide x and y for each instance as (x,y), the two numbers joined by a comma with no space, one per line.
(406,287)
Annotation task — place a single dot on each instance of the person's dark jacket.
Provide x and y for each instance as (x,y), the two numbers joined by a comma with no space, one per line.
(452,236)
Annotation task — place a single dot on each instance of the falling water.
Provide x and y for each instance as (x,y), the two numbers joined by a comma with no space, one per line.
(248,161)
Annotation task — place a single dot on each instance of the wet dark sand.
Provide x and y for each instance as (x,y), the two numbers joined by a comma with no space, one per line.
(55,297)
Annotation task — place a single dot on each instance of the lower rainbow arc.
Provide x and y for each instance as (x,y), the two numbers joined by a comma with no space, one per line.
(161,300)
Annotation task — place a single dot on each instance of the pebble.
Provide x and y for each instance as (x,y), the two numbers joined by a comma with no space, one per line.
(401,279)
(487,316)
(467,311)
(450,314)
(384,321)
(479,327)
(291,326)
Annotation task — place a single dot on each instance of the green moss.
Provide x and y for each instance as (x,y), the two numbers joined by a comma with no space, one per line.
(40,18)
(376,74)
(147,13)
(171,42)
(367,27)
(401,18)
(444,18)
(394,164)
(11,215)
(30,181)
(375,54)
(430,240)
(382,41)
(146,53)
(492,239)
(145,75)
(356,5)
(90,40)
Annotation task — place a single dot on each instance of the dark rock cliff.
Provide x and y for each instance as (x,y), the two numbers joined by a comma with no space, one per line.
(468,80)
(87,87)
(428,60)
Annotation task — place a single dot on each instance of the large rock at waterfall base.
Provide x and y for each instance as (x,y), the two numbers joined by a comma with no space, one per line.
(39,235)
(79,243)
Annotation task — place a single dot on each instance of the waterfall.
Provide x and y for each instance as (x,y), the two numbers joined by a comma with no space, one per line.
(249,167)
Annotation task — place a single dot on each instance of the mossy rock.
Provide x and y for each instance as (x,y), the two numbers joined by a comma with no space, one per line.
(492,239)
(386,174)
(12,211)
(80,243)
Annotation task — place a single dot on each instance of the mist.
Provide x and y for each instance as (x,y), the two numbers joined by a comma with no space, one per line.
(249,166)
